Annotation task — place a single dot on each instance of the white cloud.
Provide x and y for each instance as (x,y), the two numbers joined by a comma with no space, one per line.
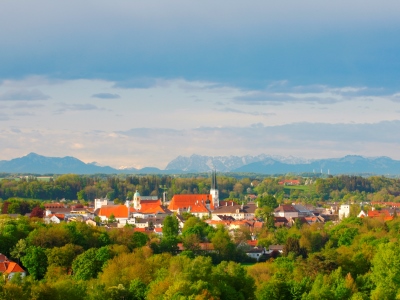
(151,126)
(106,96)
(77,107)
(23,95)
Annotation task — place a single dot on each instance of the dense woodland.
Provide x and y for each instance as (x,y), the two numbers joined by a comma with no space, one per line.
(353,259)
(87,188)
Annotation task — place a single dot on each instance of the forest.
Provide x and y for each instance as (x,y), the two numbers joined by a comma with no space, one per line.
(86,188)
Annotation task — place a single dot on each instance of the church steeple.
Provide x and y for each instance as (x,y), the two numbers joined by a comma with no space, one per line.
(214,191)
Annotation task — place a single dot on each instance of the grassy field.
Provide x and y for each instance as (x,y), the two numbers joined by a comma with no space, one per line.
(304,188)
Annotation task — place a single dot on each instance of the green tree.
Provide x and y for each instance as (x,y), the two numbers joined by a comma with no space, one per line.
(269,201)
(112,219)
(170,231)
(139,239)
(63,256)
(138,289)
(386,271)
(170,227)
(88,264)
(266,214)
(223,244)
(19,250)
(35,261)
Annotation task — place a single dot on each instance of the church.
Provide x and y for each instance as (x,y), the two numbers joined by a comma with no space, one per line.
(145,207)
(199,205)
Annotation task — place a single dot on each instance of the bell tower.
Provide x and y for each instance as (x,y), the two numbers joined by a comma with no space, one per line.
(214,191)
(136,200)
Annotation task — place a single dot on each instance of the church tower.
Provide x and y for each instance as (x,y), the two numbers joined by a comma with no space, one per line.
(214,191)
(136,200)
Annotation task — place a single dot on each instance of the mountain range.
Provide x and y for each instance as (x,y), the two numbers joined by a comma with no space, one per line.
(262,164)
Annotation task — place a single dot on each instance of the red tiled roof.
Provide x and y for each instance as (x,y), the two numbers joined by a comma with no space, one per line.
(60,216)
(252,243)
(119,211)
(384,214)
(150,207)
(10,267)
(258,224)
(378,213)
(216,222)
(13,267)
(184,201)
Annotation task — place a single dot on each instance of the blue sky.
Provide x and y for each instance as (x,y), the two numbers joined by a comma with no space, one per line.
(135,83)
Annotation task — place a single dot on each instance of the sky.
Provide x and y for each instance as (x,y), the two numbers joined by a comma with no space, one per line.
(138,83)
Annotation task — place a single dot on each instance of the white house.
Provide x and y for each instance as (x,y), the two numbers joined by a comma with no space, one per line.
(344,211)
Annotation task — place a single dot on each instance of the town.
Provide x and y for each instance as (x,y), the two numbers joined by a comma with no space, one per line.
(76,240)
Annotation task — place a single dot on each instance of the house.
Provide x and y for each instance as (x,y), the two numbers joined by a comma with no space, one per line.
(53,211)
(99,202)
(286,211)
(234,210)
(158,231)
(145,205)
(303,211)
(54,218)
(281,222)
(299,220)
(255,252)
(383,214)
(148,222)
(362,214)
(9,268)
(120,213)
(344,211)
(276,248)
(200,205)
(252,197)
(238,224)
(91,222)
(311,220)
(181,221)
(216,223)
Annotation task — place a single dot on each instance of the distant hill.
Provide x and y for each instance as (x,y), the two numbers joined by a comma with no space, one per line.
(262,164)
(345,165)
(199,163)
(38,164)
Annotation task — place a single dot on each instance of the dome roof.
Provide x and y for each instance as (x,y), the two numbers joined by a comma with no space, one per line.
(136,194)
